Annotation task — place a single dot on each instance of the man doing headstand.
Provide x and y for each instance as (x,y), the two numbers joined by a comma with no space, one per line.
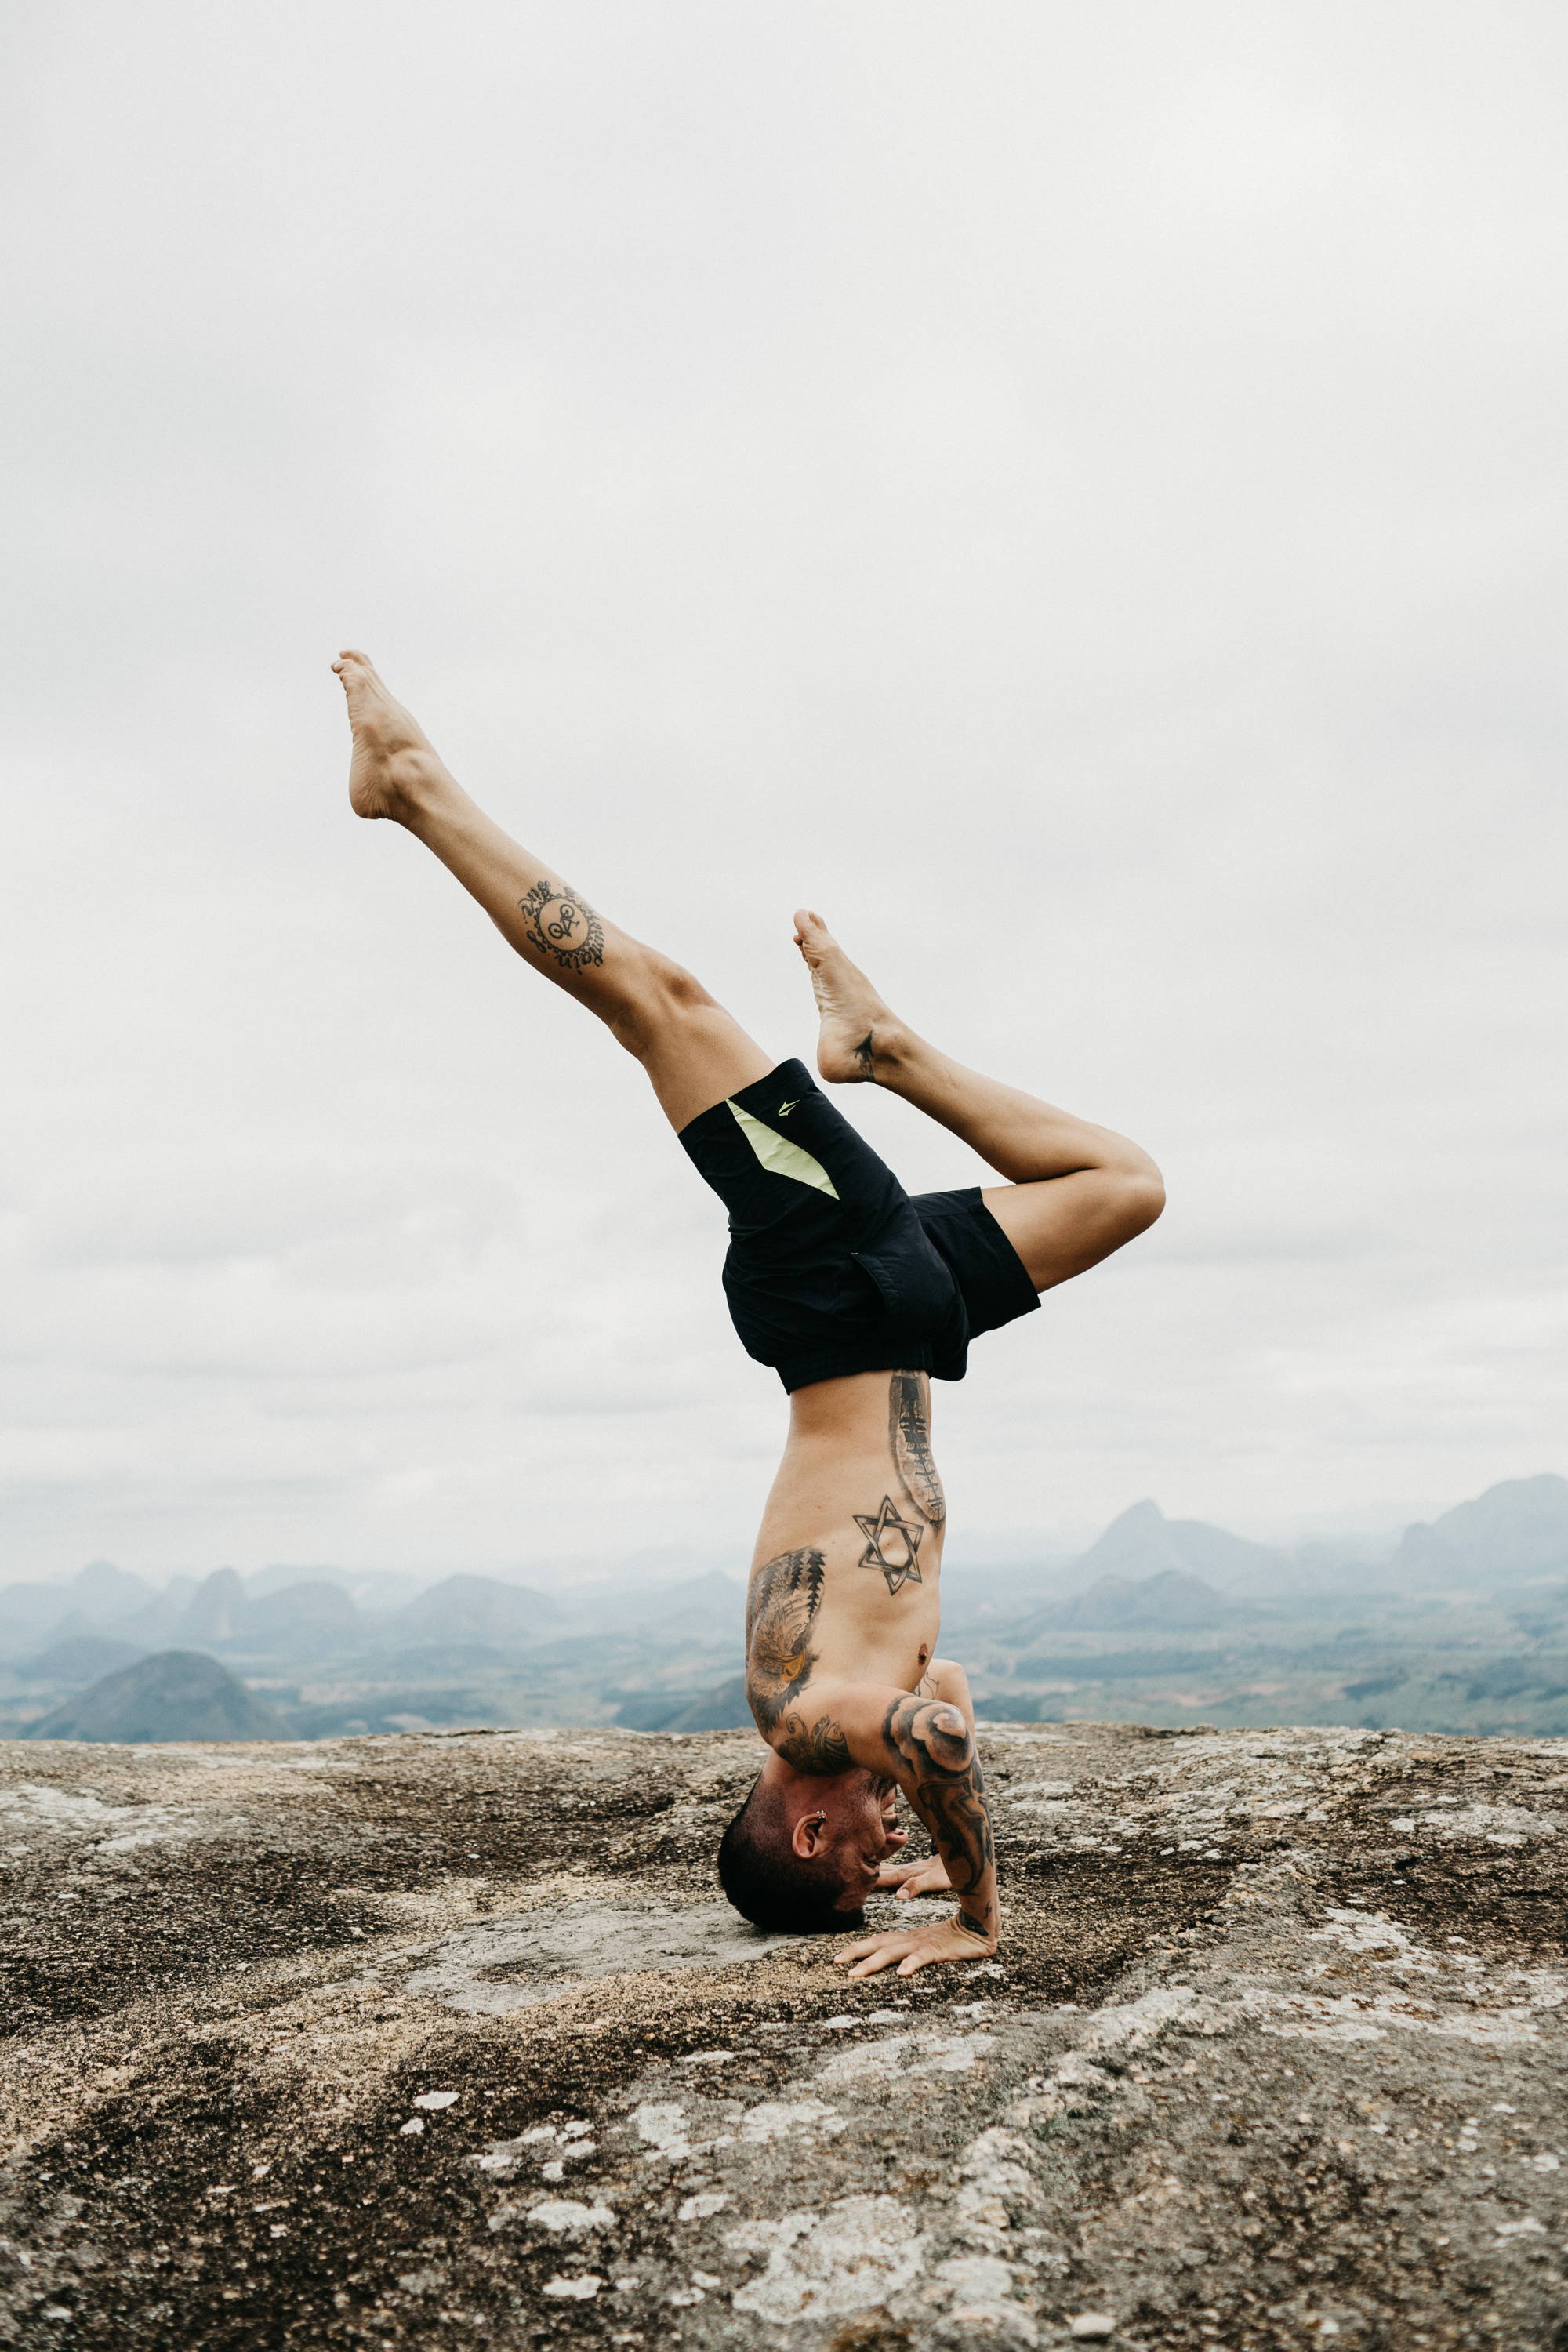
(858,1296)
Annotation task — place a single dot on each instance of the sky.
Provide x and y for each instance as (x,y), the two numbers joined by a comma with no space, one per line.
(1076,494)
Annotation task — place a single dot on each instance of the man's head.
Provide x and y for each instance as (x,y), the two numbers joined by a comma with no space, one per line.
(802,1852)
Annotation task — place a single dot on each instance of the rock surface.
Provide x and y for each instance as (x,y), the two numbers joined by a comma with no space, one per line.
(444,2040)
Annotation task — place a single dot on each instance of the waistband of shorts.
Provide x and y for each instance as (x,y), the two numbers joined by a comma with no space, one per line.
(845,1363)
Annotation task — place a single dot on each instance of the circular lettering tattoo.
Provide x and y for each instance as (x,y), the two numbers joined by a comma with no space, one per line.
(560,923)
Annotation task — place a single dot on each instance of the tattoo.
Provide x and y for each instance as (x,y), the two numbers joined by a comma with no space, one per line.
(933,1744)
(558,922)
(972,1925)
(908,1433)
(956,1816)
(823,1748)
(785,1595)
(866,1054)
(892,1545)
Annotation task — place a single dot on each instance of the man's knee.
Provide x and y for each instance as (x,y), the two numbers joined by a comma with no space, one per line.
(1141,1198)
(659,995)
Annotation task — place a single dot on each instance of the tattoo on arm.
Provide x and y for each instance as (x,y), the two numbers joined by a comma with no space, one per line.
(930,1745)
(558,921)
(785,1595)
(908,1433)
(821,1748)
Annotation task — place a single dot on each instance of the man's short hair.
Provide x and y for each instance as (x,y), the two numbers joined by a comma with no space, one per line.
(769,1883)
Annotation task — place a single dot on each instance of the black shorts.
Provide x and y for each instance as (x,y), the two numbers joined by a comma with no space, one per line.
(833,1268)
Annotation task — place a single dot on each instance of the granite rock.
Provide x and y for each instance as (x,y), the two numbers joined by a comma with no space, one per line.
(445,2040)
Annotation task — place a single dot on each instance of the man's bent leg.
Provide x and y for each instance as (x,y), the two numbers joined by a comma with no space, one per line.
(693,1051)
(1075,1191)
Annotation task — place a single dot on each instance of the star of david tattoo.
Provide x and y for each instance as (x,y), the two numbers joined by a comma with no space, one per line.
(886,1533)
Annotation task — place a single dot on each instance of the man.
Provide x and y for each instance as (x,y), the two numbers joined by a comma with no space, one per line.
(858,1296)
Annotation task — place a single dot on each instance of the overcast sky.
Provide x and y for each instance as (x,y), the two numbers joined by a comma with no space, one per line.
(1076,494)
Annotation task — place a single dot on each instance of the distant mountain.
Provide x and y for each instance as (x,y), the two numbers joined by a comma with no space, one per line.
(29,1612)
(713,1603)
(1170,1599)
(81,1658)
(1516,1529)
(300,1616)
(94,1597)
(1143,1542)
(262,1583)
(474,1609)
(216,1609)
(177,1694)
(721,1709)
(724,1708)
(157,1624)
(102,1589)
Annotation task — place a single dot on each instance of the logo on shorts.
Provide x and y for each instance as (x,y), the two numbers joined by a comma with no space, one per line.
(785,1108)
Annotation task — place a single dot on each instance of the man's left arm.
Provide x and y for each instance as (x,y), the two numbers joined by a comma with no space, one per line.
(943,1678)
(927,1745)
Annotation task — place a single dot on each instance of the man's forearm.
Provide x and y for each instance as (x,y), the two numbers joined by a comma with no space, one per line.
(931,1751)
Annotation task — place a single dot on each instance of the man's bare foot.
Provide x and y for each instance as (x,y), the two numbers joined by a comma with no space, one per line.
(861,1038)
(393,767)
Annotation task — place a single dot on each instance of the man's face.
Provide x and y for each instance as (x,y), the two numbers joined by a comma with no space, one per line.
(868,1837)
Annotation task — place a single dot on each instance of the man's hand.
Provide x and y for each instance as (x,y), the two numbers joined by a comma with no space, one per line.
(911,1879)
(914,1949)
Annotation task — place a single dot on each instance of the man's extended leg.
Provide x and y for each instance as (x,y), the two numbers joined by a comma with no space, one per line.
(1075,1191)
(693,1050)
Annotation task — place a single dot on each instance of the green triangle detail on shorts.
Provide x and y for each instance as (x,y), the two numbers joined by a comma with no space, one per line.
(781,1157)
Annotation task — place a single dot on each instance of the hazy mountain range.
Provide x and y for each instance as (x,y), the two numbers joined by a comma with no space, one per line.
(1158,1618)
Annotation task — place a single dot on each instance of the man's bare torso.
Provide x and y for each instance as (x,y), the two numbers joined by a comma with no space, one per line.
(845,1585)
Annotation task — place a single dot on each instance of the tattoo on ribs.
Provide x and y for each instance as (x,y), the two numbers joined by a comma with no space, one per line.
(558,922)
(892,1545)
(785,1595)
(823,1748)
(908,1433)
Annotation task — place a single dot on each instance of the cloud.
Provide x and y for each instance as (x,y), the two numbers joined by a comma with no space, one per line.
(1077,497)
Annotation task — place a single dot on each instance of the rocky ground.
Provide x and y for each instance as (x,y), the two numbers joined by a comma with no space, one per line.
(444,2041)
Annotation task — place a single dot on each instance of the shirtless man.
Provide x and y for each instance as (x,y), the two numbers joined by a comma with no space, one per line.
(856,1295)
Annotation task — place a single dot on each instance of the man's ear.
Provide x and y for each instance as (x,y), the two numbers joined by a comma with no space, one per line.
(809,1837)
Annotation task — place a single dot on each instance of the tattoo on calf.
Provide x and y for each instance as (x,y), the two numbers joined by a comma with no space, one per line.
(785,1595)
(892,1545)
(823,1748)
(558,922)
(908,1433)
